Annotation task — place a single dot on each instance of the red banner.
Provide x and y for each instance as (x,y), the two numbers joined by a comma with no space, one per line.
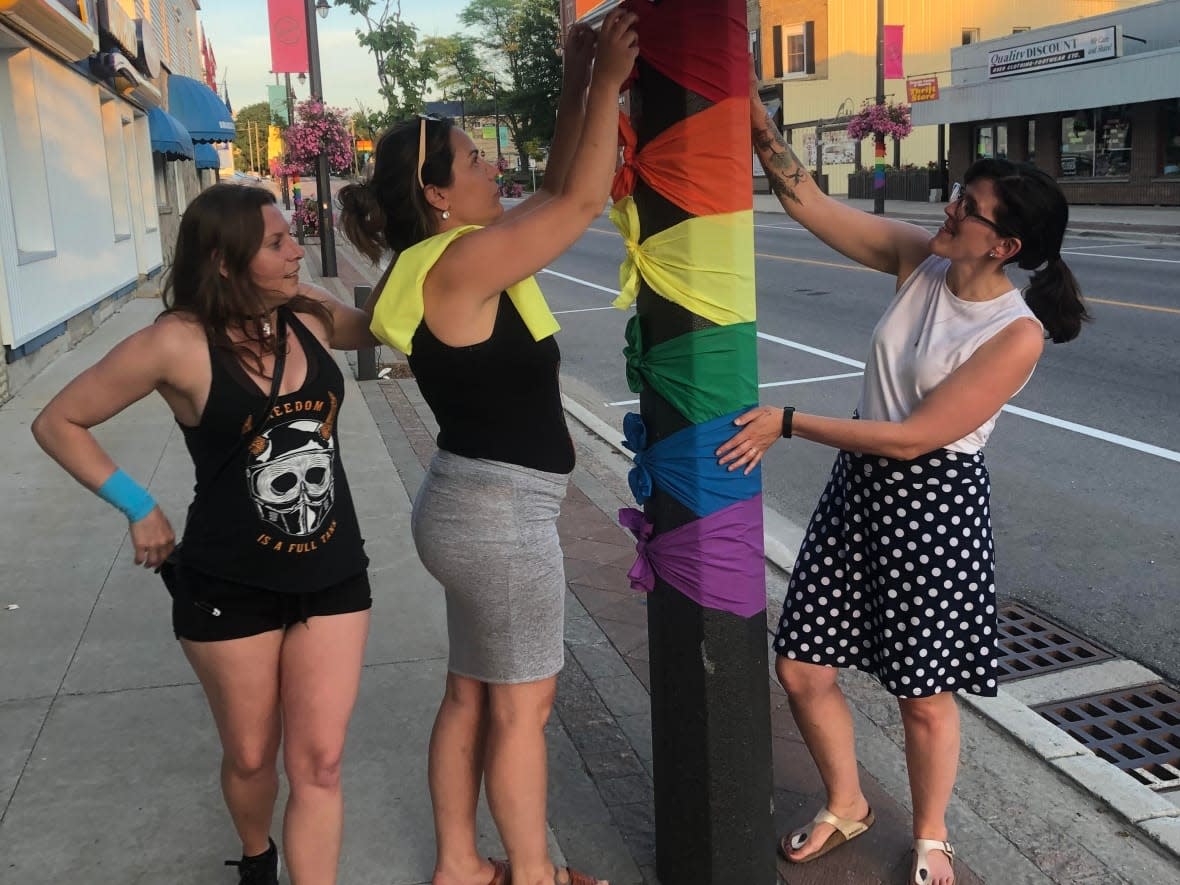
(894,69)
(288,36)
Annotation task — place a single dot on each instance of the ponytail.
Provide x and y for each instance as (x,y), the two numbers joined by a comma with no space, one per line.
(1055,298)
(362,220)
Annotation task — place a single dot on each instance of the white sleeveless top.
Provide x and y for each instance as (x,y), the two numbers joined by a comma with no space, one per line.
(927,333)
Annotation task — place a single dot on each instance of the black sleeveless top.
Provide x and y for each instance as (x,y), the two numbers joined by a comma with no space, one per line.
(279,515)
(498,399)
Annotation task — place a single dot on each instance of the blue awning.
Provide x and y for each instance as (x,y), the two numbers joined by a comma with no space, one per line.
(169,137)
(207,157)
(198,108)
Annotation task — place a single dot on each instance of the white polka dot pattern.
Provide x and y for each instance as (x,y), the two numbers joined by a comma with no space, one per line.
(895,575)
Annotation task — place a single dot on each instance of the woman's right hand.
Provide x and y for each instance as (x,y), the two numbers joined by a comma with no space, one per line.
(618,47)
(153,539)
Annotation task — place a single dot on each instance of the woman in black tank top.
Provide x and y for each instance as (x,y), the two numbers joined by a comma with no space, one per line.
(271,539)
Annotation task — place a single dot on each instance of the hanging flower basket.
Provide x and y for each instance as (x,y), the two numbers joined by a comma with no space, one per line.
(892,120)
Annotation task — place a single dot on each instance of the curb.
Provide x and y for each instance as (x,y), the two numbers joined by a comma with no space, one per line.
(1149,812)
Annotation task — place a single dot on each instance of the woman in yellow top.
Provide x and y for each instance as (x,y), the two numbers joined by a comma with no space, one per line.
(461,303)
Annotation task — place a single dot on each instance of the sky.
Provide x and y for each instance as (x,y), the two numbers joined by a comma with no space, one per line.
(240,36)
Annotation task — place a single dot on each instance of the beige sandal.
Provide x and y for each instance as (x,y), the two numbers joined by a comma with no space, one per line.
(846,831)
(922,849)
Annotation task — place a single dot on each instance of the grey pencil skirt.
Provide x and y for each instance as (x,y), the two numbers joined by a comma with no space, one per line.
(487,531)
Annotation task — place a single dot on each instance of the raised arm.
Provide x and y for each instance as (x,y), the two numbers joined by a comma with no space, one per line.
(350,325)
(967,398)
(578,58)
(135,368)
(890,246)
(513,250)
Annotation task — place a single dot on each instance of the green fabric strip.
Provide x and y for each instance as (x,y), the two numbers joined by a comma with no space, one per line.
(703,374)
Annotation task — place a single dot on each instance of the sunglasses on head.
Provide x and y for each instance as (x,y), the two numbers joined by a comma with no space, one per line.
(422,118)
(959,194)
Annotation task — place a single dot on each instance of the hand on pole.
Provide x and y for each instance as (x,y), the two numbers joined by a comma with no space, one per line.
(618,47)
(761,428)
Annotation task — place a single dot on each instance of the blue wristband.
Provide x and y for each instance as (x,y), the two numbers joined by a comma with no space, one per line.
(128,496)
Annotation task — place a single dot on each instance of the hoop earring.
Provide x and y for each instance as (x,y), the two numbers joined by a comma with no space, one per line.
(447,214)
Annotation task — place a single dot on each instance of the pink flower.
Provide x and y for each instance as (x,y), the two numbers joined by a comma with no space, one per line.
(885,119)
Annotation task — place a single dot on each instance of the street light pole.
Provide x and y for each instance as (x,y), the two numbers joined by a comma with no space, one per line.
(879,139)
(323,180)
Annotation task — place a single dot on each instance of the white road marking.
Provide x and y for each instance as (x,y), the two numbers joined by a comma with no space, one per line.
(635,402)
(1113,244)
(584,310)
(1082,429)
(1121,257)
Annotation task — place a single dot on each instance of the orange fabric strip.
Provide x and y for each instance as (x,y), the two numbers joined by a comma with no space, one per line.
(702,163)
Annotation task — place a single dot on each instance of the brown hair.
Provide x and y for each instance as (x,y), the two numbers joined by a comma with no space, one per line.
(389,211)
(209,279)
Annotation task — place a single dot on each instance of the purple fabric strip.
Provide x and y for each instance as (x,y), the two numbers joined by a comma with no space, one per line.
(718,561)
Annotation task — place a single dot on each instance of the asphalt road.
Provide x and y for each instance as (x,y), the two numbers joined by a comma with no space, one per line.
(1087,526)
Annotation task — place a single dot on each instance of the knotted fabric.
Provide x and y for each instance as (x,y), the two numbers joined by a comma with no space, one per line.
(679,38)
(685,465)
(706,265)
(399,307)
(717,561)
(701,374)
(697,163)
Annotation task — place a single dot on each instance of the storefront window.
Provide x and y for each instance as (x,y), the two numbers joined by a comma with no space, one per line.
(1096,143)
(1171,131)
(1002,141)
(1032,141)
(984,143)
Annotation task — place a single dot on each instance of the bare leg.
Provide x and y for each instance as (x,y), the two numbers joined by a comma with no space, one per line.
(321,672)
(241,682)
(456,769)
(824,720)
(932,757)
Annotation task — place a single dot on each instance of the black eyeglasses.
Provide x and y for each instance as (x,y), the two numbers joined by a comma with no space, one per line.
(959,195)
(422,118)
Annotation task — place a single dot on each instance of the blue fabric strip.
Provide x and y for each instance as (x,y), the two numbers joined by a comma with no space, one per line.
(127,496)
(685,465)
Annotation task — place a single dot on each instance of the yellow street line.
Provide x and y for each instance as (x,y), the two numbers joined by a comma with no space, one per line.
(814,261)
(1131,304)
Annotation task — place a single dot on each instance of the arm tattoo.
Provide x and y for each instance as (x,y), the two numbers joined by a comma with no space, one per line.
(782,166)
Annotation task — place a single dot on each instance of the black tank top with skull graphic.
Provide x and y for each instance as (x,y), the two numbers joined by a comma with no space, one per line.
(280,514)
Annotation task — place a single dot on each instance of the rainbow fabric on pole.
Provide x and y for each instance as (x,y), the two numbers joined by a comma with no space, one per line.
(705,265)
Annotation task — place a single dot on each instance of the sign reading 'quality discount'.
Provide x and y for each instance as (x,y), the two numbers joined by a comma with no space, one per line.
(1056,52)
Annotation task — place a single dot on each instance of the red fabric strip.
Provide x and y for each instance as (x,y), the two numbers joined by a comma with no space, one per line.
(700,44)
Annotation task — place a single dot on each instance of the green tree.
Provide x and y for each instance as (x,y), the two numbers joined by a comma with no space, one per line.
(404,68)
(512,59)
(253,130)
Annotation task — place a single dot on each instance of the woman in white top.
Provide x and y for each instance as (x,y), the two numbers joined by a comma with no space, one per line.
(895,574)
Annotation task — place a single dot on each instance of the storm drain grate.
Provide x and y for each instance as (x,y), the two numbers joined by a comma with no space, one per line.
(1031,644)
(1137,730)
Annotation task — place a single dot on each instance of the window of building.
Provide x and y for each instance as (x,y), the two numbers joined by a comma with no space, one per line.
(756,52)
(1019,30)
(1096,143)
(1032,141)
(798,60)
(1171,135)
(991,141)
(24,156)
(970,35)
(112,134)
(160,174)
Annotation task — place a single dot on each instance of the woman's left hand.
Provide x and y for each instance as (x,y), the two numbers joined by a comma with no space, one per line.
(578,55)
(761,428)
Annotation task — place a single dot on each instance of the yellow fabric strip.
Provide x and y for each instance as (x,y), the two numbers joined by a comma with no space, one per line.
(706,264)
(399,308)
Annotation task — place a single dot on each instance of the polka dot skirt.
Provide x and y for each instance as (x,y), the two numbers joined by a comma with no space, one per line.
(895,575)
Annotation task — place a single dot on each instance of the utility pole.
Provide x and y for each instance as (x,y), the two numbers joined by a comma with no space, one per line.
(290,119)
(879,137)
(323,178)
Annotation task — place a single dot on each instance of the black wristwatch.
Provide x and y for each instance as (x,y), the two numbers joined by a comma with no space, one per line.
(788,418)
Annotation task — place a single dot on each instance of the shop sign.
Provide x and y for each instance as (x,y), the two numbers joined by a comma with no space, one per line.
(364,145)
(1056,52)
(921,89)
(113,20)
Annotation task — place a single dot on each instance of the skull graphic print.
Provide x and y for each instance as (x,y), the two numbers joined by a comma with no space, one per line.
(291,475)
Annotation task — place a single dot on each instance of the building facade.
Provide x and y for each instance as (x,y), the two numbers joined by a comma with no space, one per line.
(85,194)
(817,63)
(1094,102)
